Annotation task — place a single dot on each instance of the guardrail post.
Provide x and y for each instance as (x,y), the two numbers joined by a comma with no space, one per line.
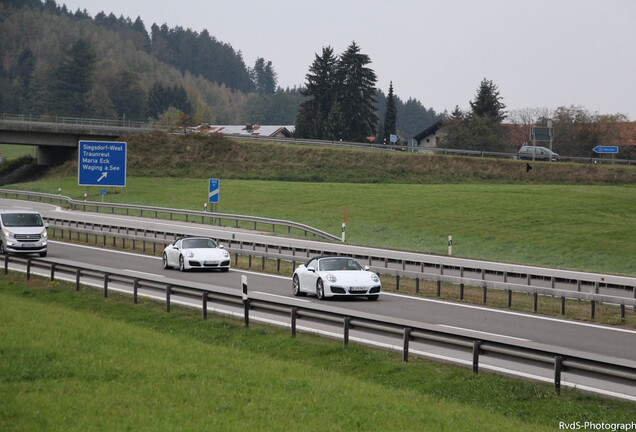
(106,278)
(205,304)
(263,263)
(249,261)
(397,282)
(476,349)
(461,291)
(535,301)
(484,292)
(562,305)
(246,301)
(135,290)
(28,275)
(294,317)
(592,308)
(417,285)
(78,274)
(346,327)
(622,311)
(52,272)
(558,367)
(439,288)
(168,292)
(6,264)
(405,346)
(509,298)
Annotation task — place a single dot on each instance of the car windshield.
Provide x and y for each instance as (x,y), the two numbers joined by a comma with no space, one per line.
(198,243)
(22,220)
(335,264)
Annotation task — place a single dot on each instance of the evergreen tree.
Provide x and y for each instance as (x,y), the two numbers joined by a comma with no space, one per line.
(73,80)
(320,90)
(356,94)
(264,77)
(488,102)
(127,95)
(389,127)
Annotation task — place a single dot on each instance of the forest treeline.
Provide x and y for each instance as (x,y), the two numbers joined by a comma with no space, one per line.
(61,62)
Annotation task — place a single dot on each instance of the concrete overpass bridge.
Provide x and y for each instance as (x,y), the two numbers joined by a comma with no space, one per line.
(57,138)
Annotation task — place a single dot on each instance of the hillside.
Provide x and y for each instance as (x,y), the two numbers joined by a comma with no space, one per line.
(194,156)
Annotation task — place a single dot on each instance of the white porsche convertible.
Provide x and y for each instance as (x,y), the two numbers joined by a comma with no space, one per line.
(330,276)
(196,253)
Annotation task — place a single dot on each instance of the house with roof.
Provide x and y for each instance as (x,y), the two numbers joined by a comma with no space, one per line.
(431,136)
(248,130)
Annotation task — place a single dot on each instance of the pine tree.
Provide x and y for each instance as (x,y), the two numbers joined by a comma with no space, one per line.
(264,77)
(356,94)
(73,80)
(488,102)
(320,91)
(389,126)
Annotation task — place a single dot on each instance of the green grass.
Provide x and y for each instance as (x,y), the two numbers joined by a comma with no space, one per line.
(82,362)
(11,151)
(578,227)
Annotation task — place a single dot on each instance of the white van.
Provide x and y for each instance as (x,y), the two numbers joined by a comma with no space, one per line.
(23,231)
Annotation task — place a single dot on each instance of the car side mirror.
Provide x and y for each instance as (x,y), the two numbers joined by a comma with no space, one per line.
(311,269)
(366,268)
(46,225)
(221,246)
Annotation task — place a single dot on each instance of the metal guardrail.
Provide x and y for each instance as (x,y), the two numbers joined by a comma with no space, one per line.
(557,359)
(156,211)
(278,256)
(76,121)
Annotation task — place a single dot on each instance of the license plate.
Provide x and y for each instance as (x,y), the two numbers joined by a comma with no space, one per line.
(210,262)
(354,289)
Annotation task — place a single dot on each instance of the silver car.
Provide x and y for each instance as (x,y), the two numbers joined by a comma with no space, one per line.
(23,231)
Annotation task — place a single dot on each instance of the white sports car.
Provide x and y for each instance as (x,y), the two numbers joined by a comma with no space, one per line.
(196,253)
(330,276)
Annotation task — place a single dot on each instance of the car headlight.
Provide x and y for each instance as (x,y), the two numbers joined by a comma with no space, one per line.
(226,254)
(189,254)
(331,278)
(375,277)
(44,234)
(7,233)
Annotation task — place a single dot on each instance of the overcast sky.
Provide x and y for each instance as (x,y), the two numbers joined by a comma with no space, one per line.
(540,53)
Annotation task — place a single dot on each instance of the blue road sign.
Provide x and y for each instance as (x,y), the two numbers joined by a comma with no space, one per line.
(606,149)
(393,138)
(214,190)
(101,163)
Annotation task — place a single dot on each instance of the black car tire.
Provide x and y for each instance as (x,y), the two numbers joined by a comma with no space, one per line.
(165,261)
(320,290)
(181,263)
(296,287)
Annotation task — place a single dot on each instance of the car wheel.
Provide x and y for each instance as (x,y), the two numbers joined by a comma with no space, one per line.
(373,297)
(296,287)
(181,263)
(320,290)
(165,261)
(43,254)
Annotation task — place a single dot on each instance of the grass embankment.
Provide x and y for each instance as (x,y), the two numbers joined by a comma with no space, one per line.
(82,362)
(578,227)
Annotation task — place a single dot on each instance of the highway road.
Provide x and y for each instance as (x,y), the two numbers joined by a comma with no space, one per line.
(569,336)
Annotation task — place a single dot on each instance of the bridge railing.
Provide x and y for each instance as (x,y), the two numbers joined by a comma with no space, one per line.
(78,121)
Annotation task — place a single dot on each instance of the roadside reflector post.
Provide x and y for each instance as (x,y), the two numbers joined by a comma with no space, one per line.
(246,301)
(344,220)
(28,275)
(168,293)
(135,291)
(78,274)
(205,305)
(450,245)
(52,272)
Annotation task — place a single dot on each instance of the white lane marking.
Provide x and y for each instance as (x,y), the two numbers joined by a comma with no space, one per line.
(263,274)
(468,306)
(481,332)
(285,297)
(143,273)
(105,250)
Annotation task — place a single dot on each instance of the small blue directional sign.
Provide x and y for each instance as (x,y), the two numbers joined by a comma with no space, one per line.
(606,149)
(214,190)
(101,163)
(393,138)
